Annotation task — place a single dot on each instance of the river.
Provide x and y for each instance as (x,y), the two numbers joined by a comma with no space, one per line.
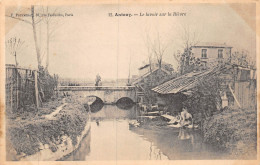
(111,138)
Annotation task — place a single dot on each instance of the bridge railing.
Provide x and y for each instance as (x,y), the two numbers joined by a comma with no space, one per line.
(92,88)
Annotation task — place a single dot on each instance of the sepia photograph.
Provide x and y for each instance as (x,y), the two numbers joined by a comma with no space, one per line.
(114,81)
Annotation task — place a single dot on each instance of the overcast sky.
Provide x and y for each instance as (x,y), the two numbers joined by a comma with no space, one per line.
(91,42)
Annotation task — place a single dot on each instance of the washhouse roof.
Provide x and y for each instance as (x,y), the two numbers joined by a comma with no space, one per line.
(184,82)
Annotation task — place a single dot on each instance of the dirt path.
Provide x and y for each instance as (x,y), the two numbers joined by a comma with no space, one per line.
(52,115)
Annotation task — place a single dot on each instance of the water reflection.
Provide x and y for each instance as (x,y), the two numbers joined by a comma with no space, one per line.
(178,143)
(97,121)
(95,104)
(125,103)
(114,136)
(114,112)
(111,138)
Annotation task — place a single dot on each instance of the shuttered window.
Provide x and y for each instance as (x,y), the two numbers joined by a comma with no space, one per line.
(204,53)
(220,53)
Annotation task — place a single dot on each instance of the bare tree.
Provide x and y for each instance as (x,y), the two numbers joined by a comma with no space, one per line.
(148,44)
(33,22)
(242,58)
(189,38)
(35,37)
(51,27)
(47,21)
(14,46)
(158,48)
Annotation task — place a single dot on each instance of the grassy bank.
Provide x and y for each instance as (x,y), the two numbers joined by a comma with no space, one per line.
(233,130)
(29,112)
(29,135)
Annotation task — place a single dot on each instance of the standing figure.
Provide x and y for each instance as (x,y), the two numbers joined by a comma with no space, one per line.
(98,79)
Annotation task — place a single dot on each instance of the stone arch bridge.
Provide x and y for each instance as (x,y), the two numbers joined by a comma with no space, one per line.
(108,94)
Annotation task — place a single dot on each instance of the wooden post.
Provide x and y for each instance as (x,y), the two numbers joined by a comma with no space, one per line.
(36,89)
(12,96)
(17,89)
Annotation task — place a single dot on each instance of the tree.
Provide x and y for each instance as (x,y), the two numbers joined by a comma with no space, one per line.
(155,48)
(51,27)
(205,96)
(33,23)
(149,53)
(242,58)
(186,60)
(14,46)
(158,48)
(35,38)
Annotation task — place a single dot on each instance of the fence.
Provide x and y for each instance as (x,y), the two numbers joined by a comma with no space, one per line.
(245,92)
(26,87)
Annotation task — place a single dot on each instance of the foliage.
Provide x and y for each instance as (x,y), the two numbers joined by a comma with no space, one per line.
(233,130)
(242,58)
(205,96)
(188,63)
(48,84)
(27,136)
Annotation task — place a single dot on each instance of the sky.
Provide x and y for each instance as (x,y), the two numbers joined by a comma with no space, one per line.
(91,42)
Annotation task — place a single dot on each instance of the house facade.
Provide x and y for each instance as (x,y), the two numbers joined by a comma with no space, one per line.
(212,52)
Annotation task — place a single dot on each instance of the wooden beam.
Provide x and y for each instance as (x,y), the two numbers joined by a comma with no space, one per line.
(234,96)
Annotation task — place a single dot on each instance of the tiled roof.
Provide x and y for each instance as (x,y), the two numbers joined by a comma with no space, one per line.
(184,82)
(212,44)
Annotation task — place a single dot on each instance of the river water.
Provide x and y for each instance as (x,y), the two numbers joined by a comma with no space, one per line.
(111,138)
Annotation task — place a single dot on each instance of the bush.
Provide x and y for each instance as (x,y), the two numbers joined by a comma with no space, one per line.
(26,137)
(233,130)
(48,84)
(204,97)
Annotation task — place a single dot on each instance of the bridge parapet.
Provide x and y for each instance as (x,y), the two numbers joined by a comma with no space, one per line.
(95,88)
(108,94)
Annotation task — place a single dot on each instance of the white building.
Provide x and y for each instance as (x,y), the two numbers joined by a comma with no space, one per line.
(211,52)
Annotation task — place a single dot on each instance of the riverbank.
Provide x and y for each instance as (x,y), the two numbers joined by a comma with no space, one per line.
(234,131)
(176,143)
(29,136)
(230,134)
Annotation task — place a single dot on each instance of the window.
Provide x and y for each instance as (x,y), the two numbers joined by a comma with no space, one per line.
(220,53)
(204,53)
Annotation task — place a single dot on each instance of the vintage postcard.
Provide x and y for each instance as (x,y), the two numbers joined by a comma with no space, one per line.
(129,82)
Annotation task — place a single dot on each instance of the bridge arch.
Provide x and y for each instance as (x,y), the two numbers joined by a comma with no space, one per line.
(97,98)
(94,105)
(124,100)
(125,103)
